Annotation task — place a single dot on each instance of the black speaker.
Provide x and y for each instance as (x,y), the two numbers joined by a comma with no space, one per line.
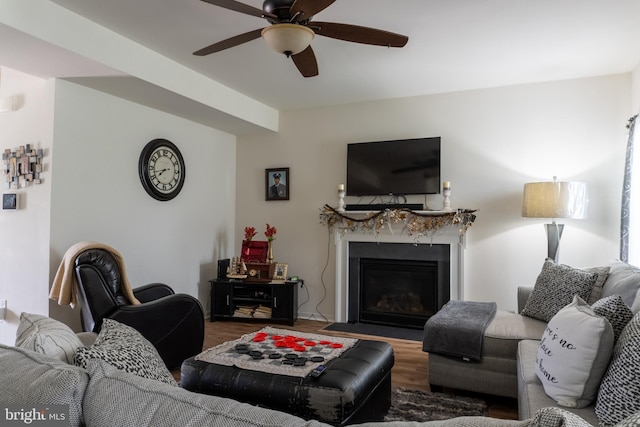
(223,266)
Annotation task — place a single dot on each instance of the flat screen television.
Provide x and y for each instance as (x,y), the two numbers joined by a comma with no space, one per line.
(398,167)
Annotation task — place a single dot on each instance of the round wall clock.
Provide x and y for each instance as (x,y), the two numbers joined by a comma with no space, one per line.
(161,169)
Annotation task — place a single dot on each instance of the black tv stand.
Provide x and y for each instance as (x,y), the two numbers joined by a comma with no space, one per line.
(383,206)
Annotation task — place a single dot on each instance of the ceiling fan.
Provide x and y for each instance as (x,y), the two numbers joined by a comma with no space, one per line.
(292,30)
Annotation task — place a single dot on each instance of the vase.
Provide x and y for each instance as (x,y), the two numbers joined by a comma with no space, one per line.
(270,252)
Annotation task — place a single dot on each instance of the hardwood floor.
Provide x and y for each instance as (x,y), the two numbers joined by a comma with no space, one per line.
(409,371)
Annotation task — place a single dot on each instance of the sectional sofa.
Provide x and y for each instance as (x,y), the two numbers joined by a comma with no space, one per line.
(116,378)
(512,350)
(101,395)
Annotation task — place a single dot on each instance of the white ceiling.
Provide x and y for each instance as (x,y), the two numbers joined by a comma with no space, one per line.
(453,45)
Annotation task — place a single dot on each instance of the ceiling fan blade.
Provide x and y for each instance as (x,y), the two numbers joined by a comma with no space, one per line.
(241,7)
(307,8)
(357,34)
(230,42)
(306,62)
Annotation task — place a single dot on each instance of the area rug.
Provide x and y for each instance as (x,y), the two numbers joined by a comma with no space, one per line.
(377,330)
(416,405)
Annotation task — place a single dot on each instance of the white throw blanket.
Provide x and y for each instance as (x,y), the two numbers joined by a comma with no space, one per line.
(64,284)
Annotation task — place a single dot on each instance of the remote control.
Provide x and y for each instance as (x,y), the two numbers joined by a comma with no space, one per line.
(318,371)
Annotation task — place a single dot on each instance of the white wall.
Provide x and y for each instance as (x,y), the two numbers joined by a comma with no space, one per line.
(93,192)
(24,233)
(635,90)
(97,194)
(494,141)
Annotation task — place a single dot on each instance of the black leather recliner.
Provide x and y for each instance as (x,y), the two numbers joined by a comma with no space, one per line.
(173,323)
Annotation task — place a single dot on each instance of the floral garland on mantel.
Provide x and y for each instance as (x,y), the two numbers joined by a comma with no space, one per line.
(414,223)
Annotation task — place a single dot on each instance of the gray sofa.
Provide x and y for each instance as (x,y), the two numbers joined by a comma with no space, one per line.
(103,396)
(117,379)
(510,347)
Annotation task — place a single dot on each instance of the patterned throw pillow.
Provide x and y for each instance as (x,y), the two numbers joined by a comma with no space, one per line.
(556,417)
(555,287)
(126,349)
(632,421)
(573,355)
(47,336)
(615,310)
(620,387)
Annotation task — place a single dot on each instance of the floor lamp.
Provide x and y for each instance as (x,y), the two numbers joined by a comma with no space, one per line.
(556,199)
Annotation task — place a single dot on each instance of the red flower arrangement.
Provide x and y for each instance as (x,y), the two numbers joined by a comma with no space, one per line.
(249,232)
(270,233)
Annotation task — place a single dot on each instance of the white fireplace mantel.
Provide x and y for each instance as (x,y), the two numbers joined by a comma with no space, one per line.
(395,233)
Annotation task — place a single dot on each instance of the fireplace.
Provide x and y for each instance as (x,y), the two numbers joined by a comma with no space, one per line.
(446,247)
(397,284)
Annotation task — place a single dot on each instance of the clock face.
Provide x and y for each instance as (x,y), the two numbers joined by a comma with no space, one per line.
(161,169)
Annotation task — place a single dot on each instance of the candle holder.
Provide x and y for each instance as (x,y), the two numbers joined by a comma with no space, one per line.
(446,202)
(340,201)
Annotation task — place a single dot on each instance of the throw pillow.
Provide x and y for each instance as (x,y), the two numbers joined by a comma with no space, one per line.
(556,417)
(632,421)
(620,387)
(30,378)
(573,354)
(47,336)
(623,280)
(615,310)
(555,287)
(125,348)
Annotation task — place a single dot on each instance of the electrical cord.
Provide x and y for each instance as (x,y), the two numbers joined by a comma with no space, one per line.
(324,287)
(324,269)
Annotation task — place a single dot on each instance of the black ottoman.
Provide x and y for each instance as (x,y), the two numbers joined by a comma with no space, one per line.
(355,387)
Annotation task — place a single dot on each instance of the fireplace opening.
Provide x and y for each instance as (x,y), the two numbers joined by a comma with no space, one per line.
(397,284)
(398,292)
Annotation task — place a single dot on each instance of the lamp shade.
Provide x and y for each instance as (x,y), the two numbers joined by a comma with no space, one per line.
(555,200)
(289,39)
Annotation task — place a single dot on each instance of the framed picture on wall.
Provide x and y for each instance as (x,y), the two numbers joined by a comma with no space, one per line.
(277,184)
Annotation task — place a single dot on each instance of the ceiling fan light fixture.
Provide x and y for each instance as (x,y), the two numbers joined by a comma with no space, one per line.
(289,39)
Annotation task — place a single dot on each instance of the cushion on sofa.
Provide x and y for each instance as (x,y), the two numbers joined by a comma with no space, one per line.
(30,378)
(620,387)
(155,404)
(125,348)
(596,291)
(507,329)
(573,355)
(623,280)
(47,336)
(555,287)
(531,395)
(616,311)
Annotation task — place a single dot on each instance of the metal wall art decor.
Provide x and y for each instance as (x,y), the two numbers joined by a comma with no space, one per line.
(22,167)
